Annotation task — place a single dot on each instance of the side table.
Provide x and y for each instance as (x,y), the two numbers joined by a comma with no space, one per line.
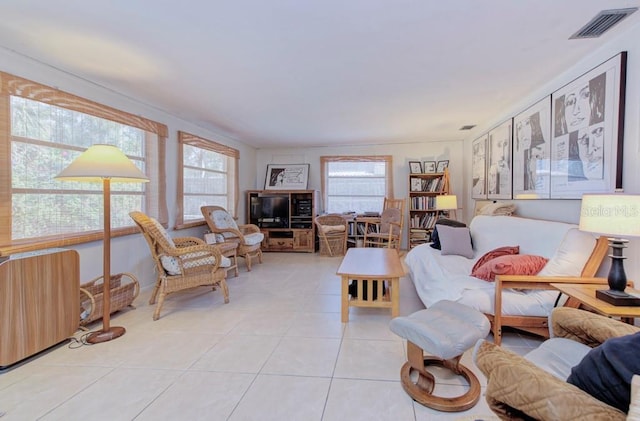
(230,249)
(586,295)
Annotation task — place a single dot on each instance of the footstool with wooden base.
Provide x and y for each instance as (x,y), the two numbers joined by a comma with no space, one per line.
(445,330)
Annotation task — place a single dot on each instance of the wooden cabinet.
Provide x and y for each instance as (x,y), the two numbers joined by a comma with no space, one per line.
(423,189)
(286,218)
(39,302)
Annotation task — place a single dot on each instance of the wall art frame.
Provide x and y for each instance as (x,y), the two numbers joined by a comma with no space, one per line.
(499,175)
(287,177)
(479,167)
(415,167)
(532,151)
(588,132)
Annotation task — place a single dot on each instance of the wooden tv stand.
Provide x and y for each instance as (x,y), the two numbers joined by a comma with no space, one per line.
(292,232)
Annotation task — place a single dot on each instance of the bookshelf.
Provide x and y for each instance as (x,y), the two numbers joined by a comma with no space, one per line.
(423,189)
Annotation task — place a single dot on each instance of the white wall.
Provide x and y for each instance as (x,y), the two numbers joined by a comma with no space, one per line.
(401,153)
(131,253)
(569,210)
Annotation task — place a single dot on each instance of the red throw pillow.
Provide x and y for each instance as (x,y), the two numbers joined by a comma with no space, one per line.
(500,251)
(516,264)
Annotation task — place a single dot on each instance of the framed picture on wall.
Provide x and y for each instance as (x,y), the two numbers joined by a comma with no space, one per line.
(532,151)
(287,177)
(499,181)
(479,167)
(587,135)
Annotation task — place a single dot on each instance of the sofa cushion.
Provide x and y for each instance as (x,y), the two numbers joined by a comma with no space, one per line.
(435,238)
(516,264)
(455,240)
(572,254)
(492,254)
(606,371)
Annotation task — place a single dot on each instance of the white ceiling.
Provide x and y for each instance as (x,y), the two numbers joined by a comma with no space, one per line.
(303,72)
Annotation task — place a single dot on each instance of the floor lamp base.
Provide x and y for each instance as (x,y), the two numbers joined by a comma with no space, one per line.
(105,335)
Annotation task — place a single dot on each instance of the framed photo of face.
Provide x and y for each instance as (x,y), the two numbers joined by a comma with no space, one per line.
(479,167)
(499,181)
(586,142)
(531,151)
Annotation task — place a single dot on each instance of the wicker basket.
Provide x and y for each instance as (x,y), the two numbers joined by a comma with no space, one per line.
(124,289)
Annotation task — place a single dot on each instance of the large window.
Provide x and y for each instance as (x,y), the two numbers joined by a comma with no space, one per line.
(356,183)
(45,130)
(208,177)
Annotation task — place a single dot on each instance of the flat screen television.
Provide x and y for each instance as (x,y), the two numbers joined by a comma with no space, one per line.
(274,211)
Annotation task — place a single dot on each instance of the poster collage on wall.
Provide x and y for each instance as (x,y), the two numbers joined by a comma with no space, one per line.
(567,144)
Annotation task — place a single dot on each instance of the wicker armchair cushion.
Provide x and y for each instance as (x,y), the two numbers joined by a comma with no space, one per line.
(253,238)
(162,231)
(172,265)
(332,228)
(223,220)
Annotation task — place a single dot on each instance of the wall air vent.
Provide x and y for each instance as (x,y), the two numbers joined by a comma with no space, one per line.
(602,22)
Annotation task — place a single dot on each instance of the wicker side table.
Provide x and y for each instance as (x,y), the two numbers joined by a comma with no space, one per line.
(124,289)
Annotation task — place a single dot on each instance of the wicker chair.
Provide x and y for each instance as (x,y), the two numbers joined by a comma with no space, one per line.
(332,232)
(181,263)
(248,236)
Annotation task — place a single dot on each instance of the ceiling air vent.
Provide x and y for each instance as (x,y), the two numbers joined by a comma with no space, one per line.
(468,127)
(602,23)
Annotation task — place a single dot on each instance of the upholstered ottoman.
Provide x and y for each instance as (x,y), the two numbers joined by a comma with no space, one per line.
(445,330)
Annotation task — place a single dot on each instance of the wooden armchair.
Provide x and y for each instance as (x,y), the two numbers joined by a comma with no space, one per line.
(181,263)
(248,236)
(535,324)
(388,232)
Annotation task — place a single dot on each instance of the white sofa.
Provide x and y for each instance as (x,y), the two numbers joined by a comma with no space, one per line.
(437,277)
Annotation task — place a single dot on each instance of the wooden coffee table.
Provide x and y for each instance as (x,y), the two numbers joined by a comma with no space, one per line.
(365,265)
(586,295)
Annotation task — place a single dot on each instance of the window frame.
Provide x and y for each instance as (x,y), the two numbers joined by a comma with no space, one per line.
(185,138)
(155,191)
(326,160)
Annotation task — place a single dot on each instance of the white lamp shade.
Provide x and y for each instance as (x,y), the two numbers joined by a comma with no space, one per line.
(446,202)
(102,161)
(611,214)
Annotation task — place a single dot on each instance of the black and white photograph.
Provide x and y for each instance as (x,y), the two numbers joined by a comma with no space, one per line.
(287,177)
(532,151)
(415,167)
(499,181)
(429,167)
(442,165)
(479,167)
(586,139)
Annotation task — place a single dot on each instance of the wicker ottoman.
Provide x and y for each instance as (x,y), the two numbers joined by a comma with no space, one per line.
(445,330)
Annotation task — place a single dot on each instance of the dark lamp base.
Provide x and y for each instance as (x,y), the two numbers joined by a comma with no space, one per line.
(105,335)
(617,298)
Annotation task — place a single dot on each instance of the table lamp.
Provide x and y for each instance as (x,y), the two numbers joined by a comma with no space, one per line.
(446,202)
(617,216)
(104,163)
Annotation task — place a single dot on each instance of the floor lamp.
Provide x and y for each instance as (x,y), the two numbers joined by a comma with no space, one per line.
(104,163)
(614,215)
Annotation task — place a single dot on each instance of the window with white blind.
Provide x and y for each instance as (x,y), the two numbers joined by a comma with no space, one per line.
(47,129)
(356,183)
(208,172)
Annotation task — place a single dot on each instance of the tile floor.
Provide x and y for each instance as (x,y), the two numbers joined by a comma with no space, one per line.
(277,351)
